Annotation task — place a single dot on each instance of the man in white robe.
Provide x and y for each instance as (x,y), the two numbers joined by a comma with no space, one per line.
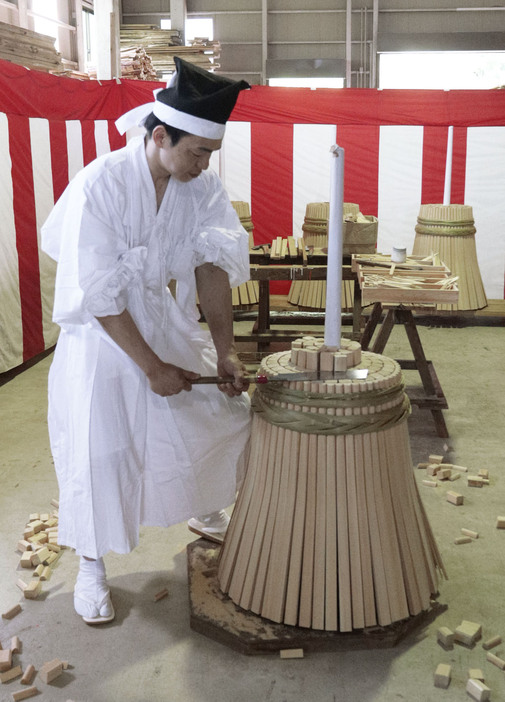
(133,441)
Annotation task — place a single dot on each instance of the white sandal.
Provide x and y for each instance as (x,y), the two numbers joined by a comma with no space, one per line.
(211,526)
(91,593)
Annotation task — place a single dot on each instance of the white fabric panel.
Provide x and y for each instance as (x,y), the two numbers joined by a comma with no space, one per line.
(11,332)
(44,198)
(74,148)
(485,193)
(102,137)
(311,168)
(235,168)
(400,186)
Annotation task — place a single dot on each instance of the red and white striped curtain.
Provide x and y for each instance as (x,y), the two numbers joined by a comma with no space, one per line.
(276,156)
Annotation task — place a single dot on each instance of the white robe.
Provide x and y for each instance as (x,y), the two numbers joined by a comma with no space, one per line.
(125,456)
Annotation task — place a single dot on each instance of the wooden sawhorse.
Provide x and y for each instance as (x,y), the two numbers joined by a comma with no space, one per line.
(433,397)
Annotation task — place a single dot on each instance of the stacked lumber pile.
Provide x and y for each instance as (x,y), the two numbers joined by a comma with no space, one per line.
(28,48)
(161,45)
(137,64)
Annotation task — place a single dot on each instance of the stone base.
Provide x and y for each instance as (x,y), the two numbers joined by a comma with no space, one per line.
(216,616)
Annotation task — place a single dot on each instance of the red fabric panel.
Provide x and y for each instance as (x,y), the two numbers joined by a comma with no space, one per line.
(434,157)
(371,107)
(458,165)
(116,141)
(88,141)
(59,157)
(272,184)
(361,166)
(39,94)
(26,236)
(434,165)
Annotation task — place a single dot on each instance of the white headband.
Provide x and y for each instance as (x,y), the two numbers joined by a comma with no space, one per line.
(169,115)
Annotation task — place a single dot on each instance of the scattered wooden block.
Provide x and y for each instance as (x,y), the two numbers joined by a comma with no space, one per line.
(33,589)
(478,690)
(444,474)
(11,613)
(475,481)
(23,546)
(34,517)
(422,466)
(24,694)
(492,642)
(476,674)
(291,653)
(5,659)
(44,517)
(26,559)
(443,675)
(435,459)
(454,476)
(36,525)
(21,584)
(54,503)
(500,522)
(15,644)
(432,469)
(161,594)
(51,670)
(468,632)
(11,674)
(470,533)
(42,555)
(462,469)
(454,497)
(484,473)
(498,662)
(463,540)
(430,483)
(46,573)
(28,675)
(445,637)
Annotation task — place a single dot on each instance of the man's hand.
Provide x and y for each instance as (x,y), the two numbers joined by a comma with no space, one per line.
(166,379)
(232,365)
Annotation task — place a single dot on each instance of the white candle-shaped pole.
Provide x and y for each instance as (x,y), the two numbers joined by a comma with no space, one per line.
(333,314)
(448,168)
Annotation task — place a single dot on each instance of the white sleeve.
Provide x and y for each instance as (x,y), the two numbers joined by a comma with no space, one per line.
(220,238)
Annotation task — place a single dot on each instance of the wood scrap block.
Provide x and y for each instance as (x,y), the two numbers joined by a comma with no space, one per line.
(500,522)
(432,468)
(492,642)
(39,538)
(46,573)
(161,594)
(39,569)
(430,483)
(36,525)
(475,481)
(476,674)
(5,659)
(478,690)
(484,473)
(462,469)
(455,498)
(33,589)
(445,637)
(463,540)
(21,584)
(11,613)
(28,532)
(444,474)
(54,503)
(25,694)
(28,675)
(34,517)
(454,476)
(42,555)
(443,675)
(44,516)
(470,533)
(422,466)
(291,653)
(15,644)
(433,458)
(26,559)
(495,660)
(51,670)
(468,632)
(11,674)
(23,546)
(53,546)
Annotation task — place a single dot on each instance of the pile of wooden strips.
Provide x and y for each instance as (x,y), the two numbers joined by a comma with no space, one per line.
(28,48)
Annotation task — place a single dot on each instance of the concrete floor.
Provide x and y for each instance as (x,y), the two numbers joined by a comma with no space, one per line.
(150,653)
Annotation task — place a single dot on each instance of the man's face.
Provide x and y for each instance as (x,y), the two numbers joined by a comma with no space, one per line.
(189,157)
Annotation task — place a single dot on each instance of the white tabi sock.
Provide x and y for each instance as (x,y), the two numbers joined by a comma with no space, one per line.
(91,593)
